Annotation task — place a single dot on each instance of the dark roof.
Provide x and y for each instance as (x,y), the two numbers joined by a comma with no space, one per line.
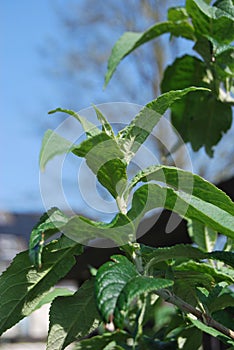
(19,224)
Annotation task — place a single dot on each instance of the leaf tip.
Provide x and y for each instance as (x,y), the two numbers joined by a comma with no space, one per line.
(58,109)
(108,76)
(52,111)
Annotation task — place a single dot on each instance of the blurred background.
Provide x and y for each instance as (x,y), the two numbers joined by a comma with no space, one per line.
(54,54)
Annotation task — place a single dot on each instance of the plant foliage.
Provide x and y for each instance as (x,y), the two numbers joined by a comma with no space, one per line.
(211,29)
(128,292)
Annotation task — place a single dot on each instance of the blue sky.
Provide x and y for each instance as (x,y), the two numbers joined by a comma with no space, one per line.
(25,26)
(27,93)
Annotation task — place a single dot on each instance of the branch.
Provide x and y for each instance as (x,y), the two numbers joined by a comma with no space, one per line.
(187,308)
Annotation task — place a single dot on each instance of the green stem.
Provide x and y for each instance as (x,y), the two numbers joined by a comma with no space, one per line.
(138,331)
(133,252)
(122,205)
(136,256)
(140,319)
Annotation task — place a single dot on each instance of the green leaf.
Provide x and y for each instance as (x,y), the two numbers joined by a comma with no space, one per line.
(212,331)
(217,22)
(206,269)
(49,223)
(102,154)
(219,298)
(100,342)
(22,287)
(166,100)
(134,135)
(80,229)
(186,282)
(225,318)
(218,57)
(110,280)
(105,158)
(205,49)
(51,295)
(175,323)
(207,111)
(53,145)
(154,255)
(130,41)
(184,72)
(177,14)
(225,5)
(113,176)
(72,317)
(98,150)
(203,236)
(133,289)
(106,127)
(185,181)
(101,151)
(224,62)
(191,197)
(201,108)
(191,338)
(213,208)
(89,128)
(226,257)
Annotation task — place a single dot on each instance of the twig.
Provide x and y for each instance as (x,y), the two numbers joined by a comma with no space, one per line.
(187,308)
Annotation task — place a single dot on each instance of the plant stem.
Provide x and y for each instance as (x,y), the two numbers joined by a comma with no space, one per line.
(141,318)
(136,256)
(187,308)
(122,205)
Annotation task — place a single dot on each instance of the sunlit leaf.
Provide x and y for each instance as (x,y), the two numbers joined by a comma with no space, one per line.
(134,135)
(212,331)
(216,21)
(81,229)
(154,255)
(89,128)
(176,14)
(106,127)
(130,41)
(110,280)
(188,195)
(105,158)
(22,287)
(205,269)
(50,296)
(203,236)
(113,176)
(186,282)
(53,145)
(187,182)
